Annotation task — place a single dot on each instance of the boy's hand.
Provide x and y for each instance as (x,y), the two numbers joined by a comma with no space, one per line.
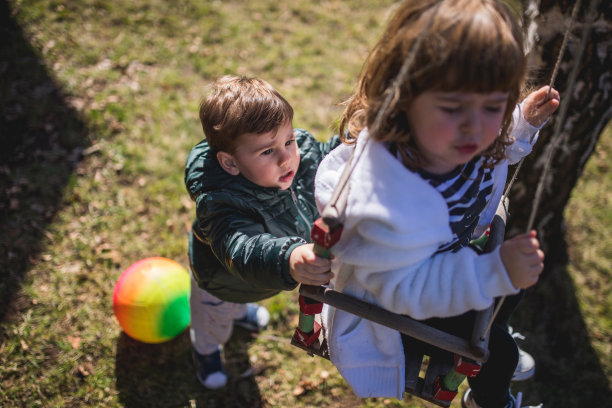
(306,267)
(537,109)
(523,259)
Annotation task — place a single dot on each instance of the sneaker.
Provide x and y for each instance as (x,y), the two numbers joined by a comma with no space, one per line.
(256,318)
(467,401)
(525,369)
(209,369)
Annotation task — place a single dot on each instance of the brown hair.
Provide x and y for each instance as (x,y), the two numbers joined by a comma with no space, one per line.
(239,105)
(471,46)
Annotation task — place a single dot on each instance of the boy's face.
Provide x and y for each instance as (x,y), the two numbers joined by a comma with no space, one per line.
(451,128)
(268,159)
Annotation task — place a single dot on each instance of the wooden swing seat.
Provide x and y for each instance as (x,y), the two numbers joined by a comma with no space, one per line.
(423,387)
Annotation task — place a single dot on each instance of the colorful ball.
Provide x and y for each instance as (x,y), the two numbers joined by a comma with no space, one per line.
(151,300)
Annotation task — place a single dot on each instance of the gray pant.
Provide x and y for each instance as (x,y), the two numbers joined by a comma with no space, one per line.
(212,319)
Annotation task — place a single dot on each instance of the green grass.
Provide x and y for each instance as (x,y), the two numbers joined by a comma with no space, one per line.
(589,220)
(109,93)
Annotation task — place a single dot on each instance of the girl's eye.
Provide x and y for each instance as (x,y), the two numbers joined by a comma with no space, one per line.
(494,109)
(451,109)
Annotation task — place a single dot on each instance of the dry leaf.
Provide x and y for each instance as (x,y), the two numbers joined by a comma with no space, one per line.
(298,390)
(83,371)
(74,341)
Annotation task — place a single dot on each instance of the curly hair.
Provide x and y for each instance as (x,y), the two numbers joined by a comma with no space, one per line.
(469,46)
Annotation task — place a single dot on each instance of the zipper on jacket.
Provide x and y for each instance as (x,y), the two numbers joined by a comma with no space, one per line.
(300,213)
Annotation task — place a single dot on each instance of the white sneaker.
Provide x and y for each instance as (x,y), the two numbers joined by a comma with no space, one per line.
(467,401)
(516,402)
(256,318)
(525,369)
(209,369)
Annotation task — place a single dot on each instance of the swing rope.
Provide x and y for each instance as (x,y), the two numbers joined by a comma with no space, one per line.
(563,109)
(553,77)
(335,208)
(556,138)
(326,231)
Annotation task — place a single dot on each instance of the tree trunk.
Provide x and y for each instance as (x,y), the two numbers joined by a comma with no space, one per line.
(588,112)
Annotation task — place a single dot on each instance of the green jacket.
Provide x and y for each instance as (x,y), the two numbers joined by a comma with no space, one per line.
(243,233)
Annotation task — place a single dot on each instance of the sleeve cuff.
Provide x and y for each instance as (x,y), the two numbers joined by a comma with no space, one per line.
(288,248)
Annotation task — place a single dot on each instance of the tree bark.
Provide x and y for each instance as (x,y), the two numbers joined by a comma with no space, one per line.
(588,112)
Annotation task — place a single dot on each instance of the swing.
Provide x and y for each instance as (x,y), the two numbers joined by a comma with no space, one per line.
(442,377)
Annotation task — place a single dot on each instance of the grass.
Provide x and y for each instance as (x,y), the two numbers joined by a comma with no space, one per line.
(589,218)
(103,111)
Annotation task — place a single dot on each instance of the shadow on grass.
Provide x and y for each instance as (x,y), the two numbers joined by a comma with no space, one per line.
(568,370)
(163,375)
(41,142)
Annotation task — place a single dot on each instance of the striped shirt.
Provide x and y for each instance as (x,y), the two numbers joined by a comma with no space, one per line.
(466,191)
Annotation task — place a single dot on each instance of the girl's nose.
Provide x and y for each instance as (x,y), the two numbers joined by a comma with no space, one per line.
(471,123)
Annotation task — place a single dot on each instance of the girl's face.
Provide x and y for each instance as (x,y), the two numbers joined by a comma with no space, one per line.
(451,128)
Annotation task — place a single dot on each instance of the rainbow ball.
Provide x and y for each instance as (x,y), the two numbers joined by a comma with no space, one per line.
(151,300)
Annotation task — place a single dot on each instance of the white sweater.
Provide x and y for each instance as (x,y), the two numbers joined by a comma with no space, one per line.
(393,223)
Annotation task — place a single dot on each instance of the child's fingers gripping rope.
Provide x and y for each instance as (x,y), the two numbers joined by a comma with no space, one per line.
(308,268)
(523,259)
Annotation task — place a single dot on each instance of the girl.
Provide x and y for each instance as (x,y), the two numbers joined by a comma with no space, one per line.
(425,180)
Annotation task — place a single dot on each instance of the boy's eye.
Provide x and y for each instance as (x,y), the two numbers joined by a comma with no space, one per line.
(288,142)
(266,152)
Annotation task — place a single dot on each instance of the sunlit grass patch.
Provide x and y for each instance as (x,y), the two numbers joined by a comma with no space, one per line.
(135,71)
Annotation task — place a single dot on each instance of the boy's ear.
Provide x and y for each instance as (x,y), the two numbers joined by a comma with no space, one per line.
(228,163)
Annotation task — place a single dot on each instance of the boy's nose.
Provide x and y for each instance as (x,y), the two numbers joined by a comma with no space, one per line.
(283,158)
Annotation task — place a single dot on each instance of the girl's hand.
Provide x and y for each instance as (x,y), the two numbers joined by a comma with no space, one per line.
(306,267)
(523,259)
(537,109)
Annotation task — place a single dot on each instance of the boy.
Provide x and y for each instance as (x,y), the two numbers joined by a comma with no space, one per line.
(252,182)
